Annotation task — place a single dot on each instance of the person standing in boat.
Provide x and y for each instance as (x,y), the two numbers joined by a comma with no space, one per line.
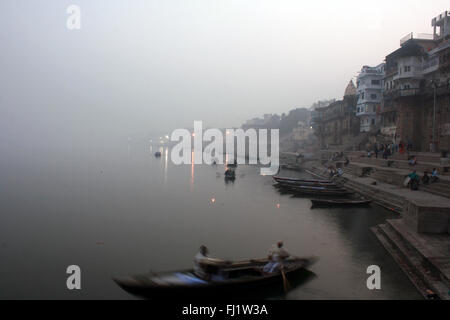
(277,254)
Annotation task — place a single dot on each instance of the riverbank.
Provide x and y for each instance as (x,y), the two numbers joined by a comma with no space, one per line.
(419,241)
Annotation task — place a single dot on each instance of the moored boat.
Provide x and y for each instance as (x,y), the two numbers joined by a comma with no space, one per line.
(297,180)
(306,183)
(314,191)
(231,279)
(339,203)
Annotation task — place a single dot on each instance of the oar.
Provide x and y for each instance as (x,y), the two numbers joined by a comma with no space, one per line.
(285,282)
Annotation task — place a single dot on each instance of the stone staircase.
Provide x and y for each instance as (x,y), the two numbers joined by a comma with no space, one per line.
(379,196)
(400,162)
(427,266)
(421,157)
(395,176)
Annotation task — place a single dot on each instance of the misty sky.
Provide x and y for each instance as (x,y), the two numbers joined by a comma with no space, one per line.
(142,66)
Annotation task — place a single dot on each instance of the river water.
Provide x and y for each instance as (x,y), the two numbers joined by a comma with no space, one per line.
(117,210)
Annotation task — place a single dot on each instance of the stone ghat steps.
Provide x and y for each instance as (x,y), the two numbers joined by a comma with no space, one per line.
(435,256)
(382,198)
(439,188)
(421,156)
(426,272)
(420,285)
(397,177)
(401,164)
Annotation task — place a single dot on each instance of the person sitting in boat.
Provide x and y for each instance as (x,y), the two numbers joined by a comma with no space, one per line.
(206,267)
(201,256)
(277,254)
(230,173)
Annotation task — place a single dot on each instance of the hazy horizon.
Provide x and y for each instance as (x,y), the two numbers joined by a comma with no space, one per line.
(151,66)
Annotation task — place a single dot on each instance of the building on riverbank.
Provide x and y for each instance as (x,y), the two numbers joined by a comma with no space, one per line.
(336,123)
(415,105)
(369,88)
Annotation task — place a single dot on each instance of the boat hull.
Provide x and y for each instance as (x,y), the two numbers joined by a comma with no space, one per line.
(148,286)
(295,180)
(340,203)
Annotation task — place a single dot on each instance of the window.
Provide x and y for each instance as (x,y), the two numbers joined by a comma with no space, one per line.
(373,96)
(407,68)
(376,82)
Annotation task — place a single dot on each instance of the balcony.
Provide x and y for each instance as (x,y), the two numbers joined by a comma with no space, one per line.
(369,86)
(400,93)
(431,65)
(417,36)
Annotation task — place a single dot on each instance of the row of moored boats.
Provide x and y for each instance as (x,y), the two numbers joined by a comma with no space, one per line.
(319,189)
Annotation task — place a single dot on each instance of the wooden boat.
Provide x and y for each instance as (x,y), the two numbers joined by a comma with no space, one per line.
(339,203)
(310,187)
(306,184)
(278,179)
(315,191)
(316,175)
(226,279)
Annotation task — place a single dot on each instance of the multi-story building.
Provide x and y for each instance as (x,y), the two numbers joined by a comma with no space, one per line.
(336,123)
(369,90)
(411,112)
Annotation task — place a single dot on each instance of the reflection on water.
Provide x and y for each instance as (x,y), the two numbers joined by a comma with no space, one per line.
(192,168)
(166,163)
(57,208)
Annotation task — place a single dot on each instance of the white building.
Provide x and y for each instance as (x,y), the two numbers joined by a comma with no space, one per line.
(369,89)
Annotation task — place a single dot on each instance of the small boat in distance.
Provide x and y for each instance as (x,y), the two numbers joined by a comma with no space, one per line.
(158,154)
(229,280)
(230,174)
(339,203)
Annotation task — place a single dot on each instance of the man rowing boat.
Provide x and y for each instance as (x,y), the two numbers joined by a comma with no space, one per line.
(277,254)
